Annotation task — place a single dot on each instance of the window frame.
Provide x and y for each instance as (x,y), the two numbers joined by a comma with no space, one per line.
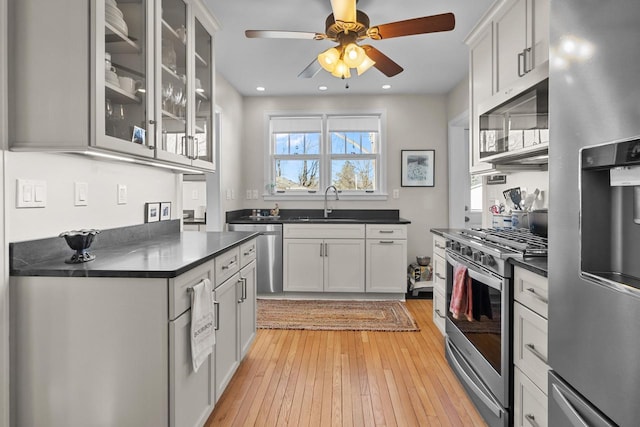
(326,156)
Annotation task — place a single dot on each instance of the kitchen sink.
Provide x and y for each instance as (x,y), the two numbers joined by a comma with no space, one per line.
(324,220)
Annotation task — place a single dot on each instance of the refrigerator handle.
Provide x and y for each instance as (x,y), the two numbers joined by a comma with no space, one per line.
(568,409)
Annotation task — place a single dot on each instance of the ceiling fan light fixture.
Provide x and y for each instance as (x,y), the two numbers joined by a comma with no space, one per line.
(353,55)
(341,70)
(329,59)
(365,65)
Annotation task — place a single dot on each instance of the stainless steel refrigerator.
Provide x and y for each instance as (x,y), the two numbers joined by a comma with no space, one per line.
(594,229)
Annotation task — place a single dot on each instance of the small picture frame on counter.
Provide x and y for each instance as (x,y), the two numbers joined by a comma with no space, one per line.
(496,179)
(151,212)
(165,211)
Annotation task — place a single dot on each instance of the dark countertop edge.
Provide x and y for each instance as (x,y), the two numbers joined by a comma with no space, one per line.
(320,221)
(192,221)
(164,274)
(537,265)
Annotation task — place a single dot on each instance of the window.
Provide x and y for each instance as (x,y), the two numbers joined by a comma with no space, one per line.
(309,153)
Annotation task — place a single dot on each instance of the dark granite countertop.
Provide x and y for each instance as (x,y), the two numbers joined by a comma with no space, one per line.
(192,221)
(536,265)
(164,255)
(315,216)
(440,231)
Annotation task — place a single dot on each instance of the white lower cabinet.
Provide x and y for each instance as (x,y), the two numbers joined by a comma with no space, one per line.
(227,342)
(247,308)
(530,403)
(439,282)
(530,346)
(439,310)
(324,258)
(191,395)
(386,265)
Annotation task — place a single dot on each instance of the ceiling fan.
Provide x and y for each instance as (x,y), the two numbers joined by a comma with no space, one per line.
(347,26)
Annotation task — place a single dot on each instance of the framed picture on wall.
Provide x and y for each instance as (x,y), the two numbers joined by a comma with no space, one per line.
(418,168)
(151,212)
(165,211)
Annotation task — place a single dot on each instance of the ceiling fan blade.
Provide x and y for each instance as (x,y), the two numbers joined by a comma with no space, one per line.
(382,62)
(424,25)
(275,34)
(344,10)
(311,70)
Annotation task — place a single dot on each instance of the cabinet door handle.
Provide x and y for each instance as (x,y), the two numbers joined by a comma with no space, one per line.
(440,277)
(195,148)
(532,420)
(240,283)
(536,353)
(439,314)
(326,249)
(521,62)
(321,252)
(216,305)
(536,296)
(387,242)
(528,60)
(439,247)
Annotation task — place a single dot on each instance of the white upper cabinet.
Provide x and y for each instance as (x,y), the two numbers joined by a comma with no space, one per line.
(110,95)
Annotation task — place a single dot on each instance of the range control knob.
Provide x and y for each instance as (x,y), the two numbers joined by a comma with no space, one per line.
(455,246)
(477,256)
(467,251)
(488,260)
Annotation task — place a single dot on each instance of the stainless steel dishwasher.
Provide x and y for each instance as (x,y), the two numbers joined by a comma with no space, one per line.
(269,268)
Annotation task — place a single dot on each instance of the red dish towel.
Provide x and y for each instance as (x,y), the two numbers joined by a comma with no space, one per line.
(461,295)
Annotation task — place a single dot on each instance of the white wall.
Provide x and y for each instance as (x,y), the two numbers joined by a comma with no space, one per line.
(458,99)
(194,197)
(144,184)
(413,122)
(4,278)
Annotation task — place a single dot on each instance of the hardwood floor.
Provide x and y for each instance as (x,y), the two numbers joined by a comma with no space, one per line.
(347,378)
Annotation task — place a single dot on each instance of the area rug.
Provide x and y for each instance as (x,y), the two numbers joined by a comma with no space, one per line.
(335,315)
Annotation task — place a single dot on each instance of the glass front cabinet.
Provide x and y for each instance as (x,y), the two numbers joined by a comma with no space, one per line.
(136,79)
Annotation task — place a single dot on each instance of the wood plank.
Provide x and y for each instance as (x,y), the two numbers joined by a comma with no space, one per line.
(347,378)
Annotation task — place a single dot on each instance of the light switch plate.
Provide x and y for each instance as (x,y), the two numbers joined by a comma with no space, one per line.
(122,194)
(31,193)
(396,193)
(81,192)
(254,194)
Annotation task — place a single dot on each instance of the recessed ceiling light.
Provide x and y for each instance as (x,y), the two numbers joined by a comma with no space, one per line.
(260,89)
(385,87)
(322,88)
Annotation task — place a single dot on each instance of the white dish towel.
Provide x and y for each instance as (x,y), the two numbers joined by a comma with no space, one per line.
(203,336)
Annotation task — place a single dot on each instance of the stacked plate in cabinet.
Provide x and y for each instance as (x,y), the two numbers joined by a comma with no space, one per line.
(114,16)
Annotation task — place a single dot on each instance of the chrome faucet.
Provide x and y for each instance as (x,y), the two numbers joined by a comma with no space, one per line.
(327,211)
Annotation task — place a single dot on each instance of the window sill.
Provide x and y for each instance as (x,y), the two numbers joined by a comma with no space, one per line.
(320,196)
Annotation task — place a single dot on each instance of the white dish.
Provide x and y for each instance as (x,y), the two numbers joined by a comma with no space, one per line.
(119,24)
(113,10)
(111,3)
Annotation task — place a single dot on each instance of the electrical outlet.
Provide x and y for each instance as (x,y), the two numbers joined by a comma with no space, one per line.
(254,194)
(248,195)
(396,193)
(228,194)
(194,195)
(233,194)
(122,194)
(81,194)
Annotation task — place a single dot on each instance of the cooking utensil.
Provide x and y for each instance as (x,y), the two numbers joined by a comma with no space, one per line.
(530,199)
(538,222)
(423,260)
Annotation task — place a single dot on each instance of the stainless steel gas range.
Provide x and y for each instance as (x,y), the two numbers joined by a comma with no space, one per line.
(478,344)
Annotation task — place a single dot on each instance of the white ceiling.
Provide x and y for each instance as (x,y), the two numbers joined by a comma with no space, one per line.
(433,63)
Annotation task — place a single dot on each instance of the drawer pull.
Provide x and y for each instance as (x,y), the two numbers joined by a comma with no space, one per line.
(532,420)
(228,266)
(386,231)
(536,353)
(440,277)
(439,314)
(386,242)
(250,251)
(438,246)
(536,296)
(216,305)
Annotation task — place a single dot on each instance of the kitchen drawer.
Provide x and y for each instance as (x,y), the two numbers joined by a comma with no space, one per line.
(439,273)
(439,310)
(530,403)
(227,265)
(386,231)
(530,344)
(323,231)
(179,296)
(248,252)
(532,290)
(439,244)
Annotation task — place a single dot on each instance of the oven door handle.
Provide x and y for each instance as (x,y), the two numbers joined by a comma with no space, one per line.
(475,274)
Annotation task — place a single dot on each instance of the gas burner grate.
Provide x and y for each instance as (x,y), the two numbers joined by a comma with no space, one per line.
(518,239)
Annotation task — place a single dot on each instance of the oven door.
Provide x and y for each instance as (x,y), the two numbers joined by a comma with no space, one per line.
(483,341)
